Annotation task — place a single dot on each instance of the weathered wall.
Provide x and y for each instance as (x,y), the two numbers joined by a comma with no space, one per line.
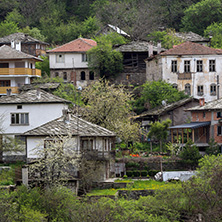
(153,69)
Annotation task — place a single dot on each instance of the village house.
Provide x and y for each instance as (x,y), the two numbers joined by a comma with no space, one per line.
(16,69)
(134,66)
(191,67)
(69,62)
(25,43)
(93,142)
(205,124)
(25,111)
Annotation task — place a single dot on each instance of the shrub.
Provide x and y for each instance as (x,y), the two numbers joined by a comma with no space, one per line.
(136,173)
(152,173)
(132,165)
(143,173)
(129,173)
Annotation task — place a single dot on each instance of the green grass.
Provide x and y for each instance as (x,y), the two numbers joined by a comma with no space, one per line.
(137,185)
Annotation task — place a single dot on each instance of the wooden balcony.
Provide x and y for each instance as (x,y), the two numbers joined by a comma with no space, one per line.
(20,71)
(3,90)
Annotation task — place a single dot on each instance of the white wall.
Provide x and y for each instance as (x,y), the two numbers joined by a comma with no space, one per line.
(38,115)
(204,78)
(71,60)
(35,143)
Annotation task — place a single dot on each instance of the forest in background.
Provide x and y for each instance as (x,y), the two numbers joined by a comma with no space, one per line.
(60,21)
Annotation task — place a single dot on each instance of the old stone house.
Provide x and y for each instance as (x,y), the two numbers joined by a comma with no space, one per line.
(191,67)
(69,62)
(134,66)
(25,43)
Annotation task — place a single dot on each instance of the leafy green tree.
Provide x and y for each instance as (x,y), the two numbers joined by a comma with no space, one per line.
(16,17)
(44,66)
(215,31)
(109,106)
(213,148)
(153,93)
(202,14)
(34,32)
(104,60)
(159,131)
(7,28)
(167,38)
(190,153)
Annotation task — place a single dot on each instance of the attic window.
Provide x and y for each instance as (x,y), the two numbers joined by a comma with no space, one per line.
(19,106)
(60,58)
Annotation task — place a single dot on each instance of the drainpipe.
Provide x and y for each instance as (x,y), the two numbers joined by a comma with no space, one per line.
(218,87)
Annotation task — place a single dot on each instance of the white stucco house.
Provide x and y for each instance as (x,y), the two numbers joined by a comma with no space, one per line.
(192,67)
(16,69)
(69,61)
(89,140)
(27,110)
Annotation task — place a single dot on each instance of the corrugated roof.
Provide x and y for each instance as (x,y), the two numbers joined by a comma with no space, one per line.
(8,53)
(31,97)
(75,126)
(19,36)
(192,125)
(213,105)
(77,45)
(191,48)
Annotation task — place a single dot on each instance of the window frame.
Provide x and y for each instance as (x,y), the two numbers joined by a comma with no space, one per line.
(199,65)
(186,87)
(219,128)
(84,57)
(212,67)
(65,76)
(186,66)
(174,66)
(19,119)
(213,89)
(200,90)
(83,77)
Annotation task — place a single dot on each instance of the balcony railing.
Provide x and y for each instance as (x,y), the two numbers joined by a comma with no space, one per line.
(3,90)
(182,76)
(20,71)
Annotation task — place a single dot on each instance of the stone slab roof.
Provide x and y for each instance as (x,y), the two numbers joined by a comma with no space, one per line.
(45,86)
(190,48)
(164,109)
(32,97)
(191,36)
(77,45)
(136,46)
(8,53)
(76,126)
(213,105)
(19,36)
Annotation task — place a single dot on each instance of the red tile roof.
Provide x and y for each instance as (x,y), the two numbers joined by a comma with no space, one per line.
(190,48)
(77,45)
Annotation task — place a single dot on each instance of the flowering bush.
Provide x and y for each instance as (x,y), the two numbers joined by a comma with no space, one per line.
(134,155)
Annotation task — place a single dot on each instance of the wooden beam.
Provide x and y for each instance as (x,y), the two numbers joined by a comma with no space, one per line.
(193,135)
(187,134)
(177,136)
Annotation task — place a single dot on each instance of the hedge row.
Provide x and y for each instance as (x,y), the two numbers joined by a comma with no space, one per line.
(143,173)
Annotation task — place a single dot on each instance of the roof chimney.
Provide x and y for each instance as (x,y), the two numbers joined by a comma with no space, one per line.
(150,50)
(9,92)
(38,93)
(202,101)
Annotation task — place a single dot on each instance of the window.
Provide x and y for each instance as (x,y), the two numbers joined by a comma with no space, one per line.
(200,90)
(174,86)
(19,106)
(83,75)
(219,131)
(65,76)
(199,66)
(56,74)
(204,114)
(84,58)
(87,144)
(187,89)
(91,75)
(212,65)
(213,89)
(4,83)
(60,58)
(219,115)
(174,66)
(186,66)
(4,65)
(19,118)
